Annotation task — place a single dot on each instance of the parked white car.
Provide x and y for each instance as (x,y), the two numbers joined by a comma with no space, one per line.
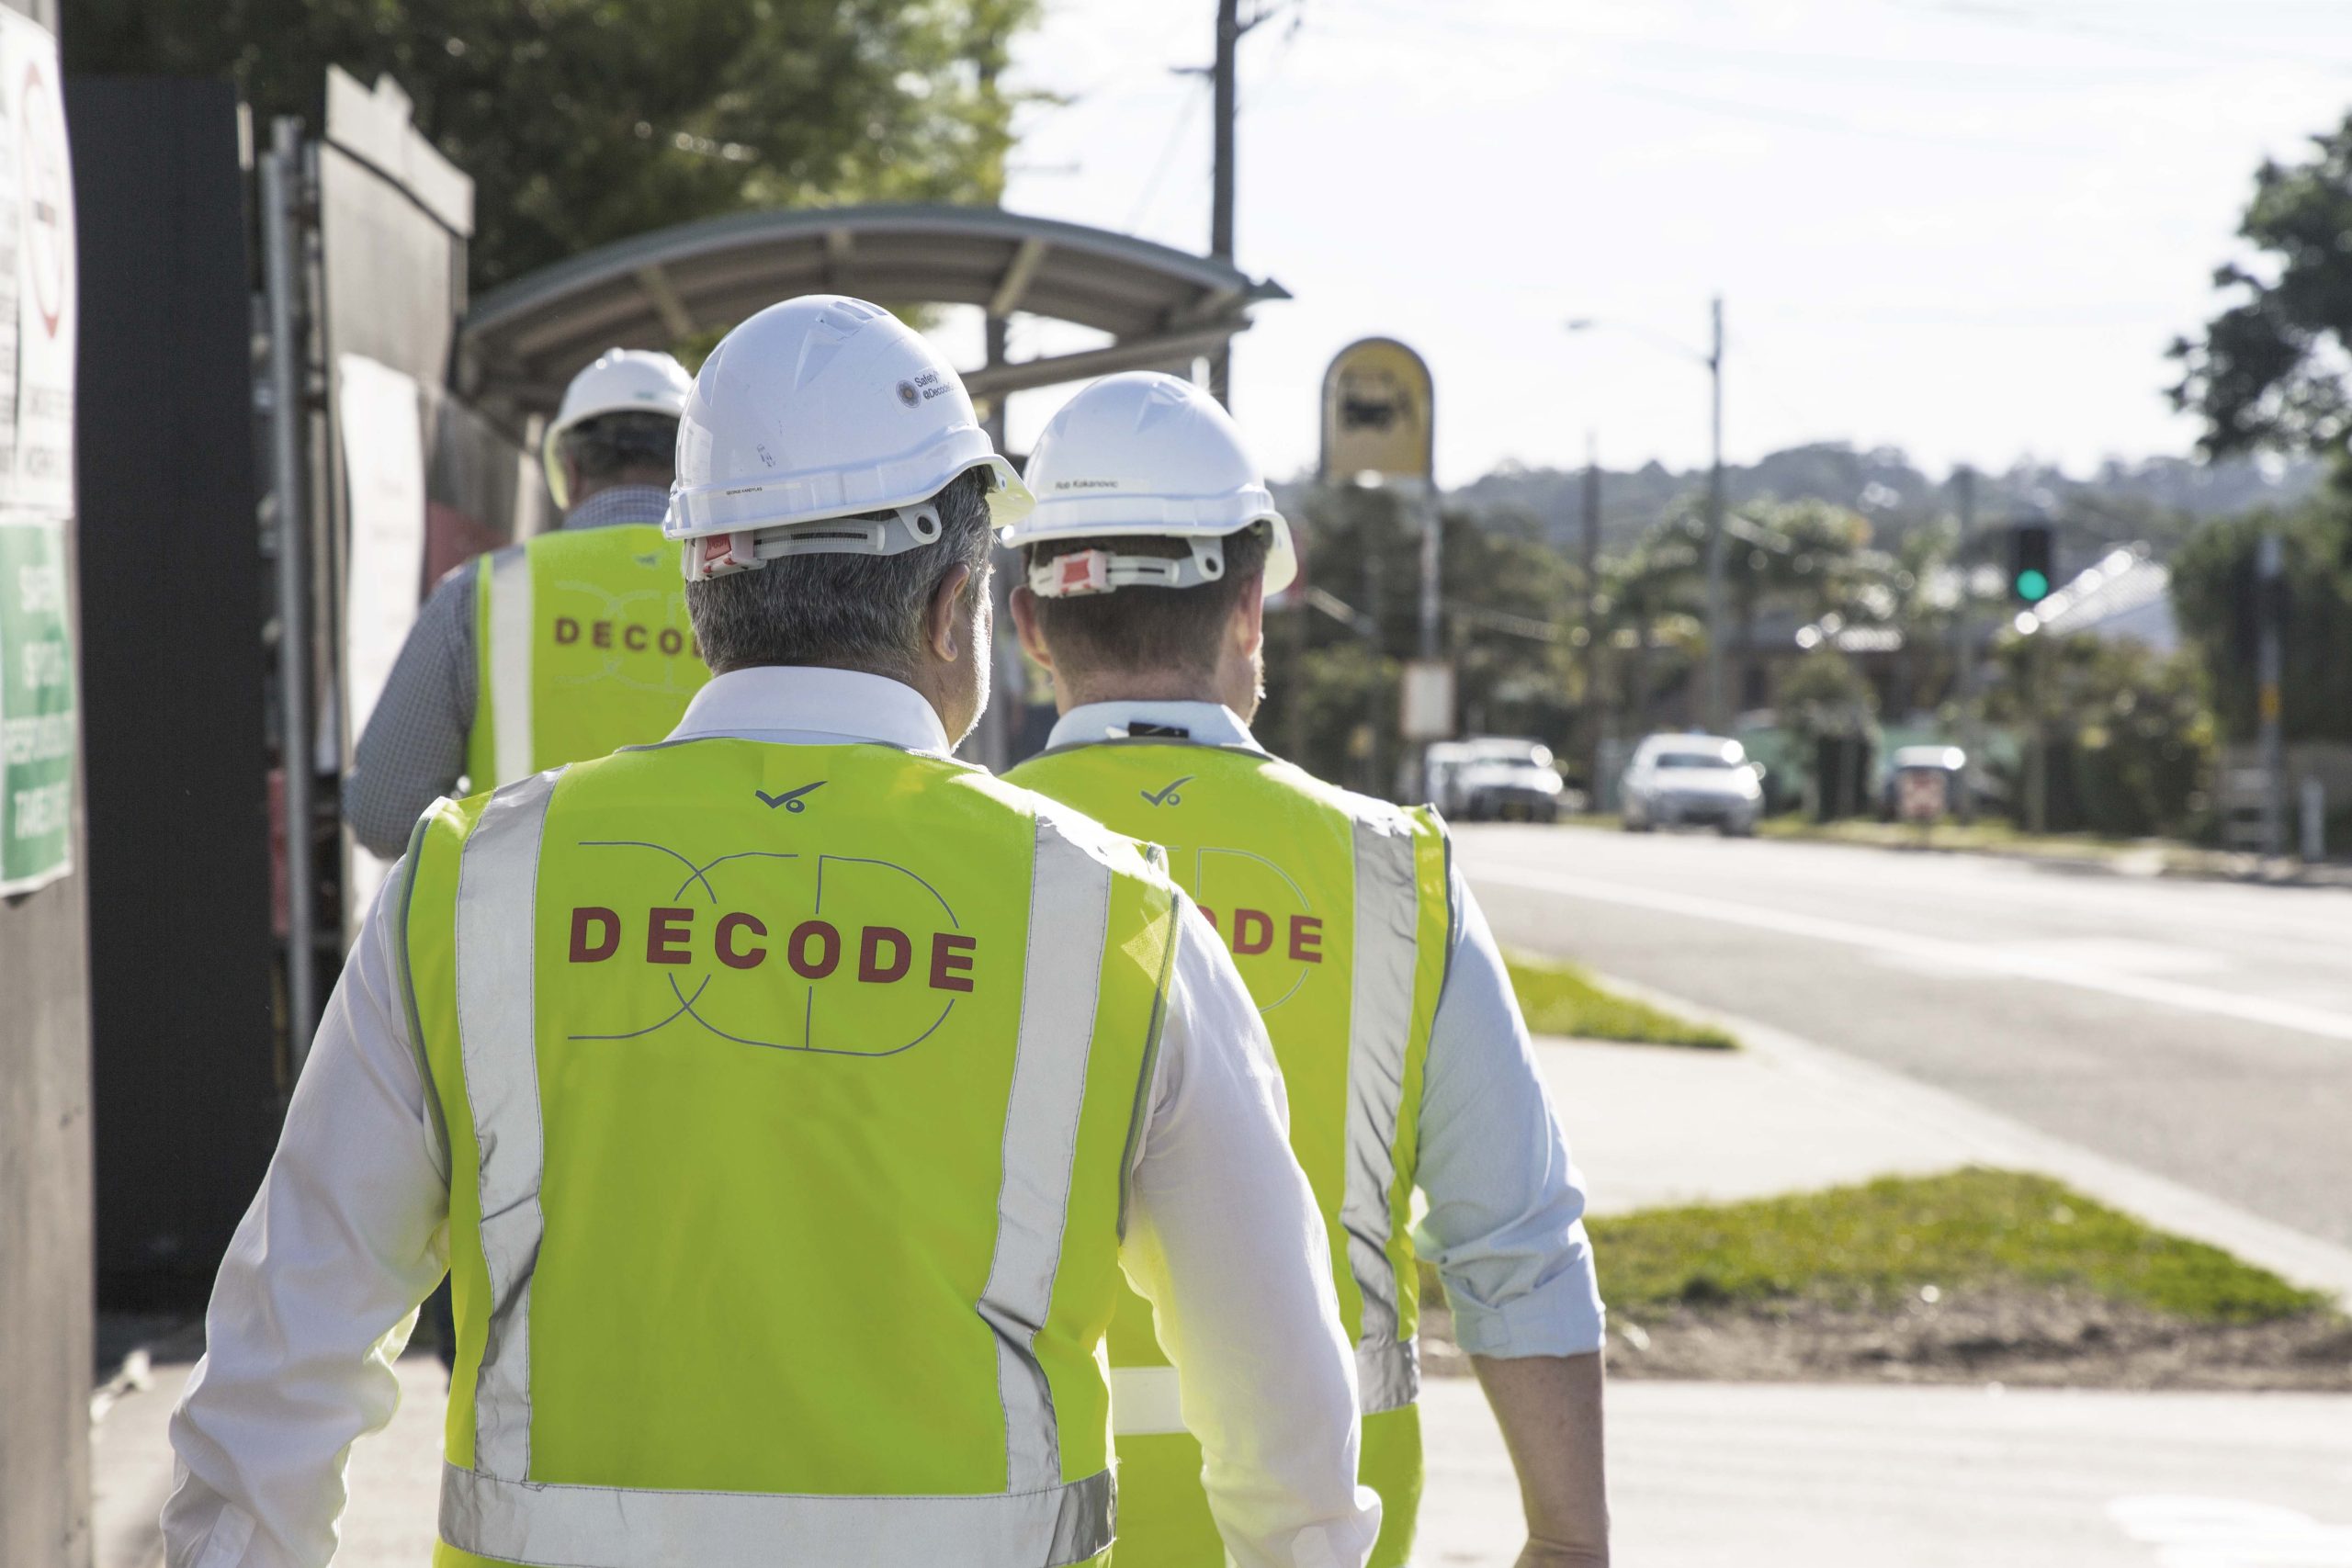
(1691,780)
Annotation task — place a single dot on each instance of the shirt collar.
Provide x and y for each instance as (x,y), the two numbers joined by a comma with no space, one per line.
(809,706)
(619,504)
(1203,724)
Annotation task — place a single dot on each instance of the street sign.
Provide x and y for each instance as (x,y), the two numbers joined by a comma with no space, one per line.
(1922,794)
(1378,416)
(1425,701)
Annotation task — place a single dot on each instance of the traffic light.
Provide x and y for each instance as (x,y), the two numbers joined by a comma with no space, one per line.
(2030,568)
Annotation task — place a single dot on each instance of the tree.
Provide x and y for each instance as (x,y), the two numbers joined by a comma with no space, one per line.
(584,121)
(2211,577)
(2264,375)
(2126,733)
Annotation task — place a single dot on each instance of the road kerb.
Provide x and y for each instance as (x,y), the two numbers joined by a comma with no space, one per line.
(1997,1140)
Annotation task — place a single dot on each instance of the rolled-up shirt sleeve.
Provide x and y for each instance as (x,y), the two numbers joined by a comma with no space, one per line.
(1505,1226)
(317,1291)
(1226,1241)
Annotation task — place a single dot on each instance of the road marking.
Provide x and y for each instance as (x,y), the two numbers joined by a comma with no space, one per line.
(2005,960)
(2224,1532)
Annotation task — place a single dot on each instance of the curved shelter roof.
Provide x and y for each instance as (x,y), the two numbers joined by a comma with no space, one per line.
(520,343)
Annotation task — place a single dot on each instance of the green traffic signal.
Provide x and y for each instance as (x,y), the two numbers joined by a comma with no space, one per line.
(2032,586)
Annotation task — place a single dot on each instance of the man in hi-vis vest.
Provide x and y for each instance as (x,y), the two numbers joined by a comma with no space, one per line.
(1147,559)
(555,649)
(784,1098)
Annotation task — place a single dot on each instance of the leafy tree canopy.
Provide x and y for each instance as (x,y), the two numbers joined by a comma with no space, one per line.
(584,121)
(2267,371)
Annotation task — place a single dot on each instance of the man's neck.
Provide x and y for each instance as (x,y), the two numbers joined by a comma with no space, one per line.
(1137,689)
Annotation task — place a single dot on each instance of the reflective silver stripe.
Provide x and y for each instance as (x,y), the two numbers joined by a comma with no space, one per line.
(1380,1022)
(497,881)
(601,1527)
(510,665)
(1388,1377)
(1069,912)
(1144,1401)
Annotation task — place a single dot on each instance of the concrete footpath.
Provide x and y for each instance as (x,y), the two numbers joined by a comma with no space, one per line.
(1749,1476)
(1703,1475)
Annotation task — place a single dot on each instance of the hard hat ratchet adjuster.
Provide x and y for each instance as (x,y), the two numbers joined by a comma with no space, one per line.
(903,528)
(1083,573)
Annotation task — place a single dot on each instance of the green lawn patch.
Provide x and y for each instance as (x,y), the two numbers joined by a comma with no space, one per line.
(1918,1238)
(1562,998)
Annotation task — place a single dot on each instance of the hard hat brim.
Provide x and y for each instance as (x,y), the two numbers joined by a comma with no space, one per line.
(732,509)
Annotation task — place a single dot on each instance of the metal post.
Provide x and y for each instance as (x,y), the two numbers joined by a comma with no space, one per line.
(1967,674)
(1432,547)
(1718,712)
(1223,110)
(1378,700)
(991,741)
(281,191)
(1596,723)
(2269,564)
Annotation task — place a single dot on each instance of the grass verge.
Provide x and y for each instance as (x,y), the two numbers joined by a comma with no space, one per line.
(1906,1239)
(1562,998)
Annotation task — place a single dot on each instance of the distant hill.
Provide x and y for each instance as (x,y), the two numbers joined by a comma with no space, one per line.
(2157,499)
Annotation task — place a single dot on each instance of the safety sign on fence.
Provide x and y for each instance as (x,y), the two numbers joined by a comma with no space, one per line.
(38,711)
(39,705)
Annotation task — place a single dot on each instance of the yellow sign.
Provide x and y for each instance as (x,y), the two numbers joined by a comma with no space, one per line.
(1378,417)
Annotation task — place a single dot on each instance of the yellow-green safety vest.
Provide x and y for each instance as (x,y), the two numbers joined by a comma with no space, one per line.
(1337,911)
(788,1094)
(582,646)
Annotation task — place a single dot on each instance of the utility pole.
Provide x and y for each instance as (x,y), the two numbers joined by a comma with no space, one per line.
(1963,620)
(1718,709)
(1597,724)
(1221,76)
(2270,661)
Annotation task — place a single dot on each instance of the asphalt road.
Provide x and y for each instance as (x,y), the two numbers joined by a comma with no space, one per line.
(2201,1030)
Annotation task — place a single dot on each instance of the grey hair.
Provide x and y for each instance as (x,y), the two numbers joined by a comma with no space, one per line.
(627,441)
(858,612)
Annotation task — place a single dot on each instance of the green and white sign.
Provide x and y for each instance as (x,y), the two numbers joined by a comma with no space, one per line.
(39,711)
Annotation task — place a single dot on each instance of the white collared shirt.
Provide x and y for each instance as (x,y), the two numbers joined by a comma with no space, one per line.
(1506,1218)
(349,1232)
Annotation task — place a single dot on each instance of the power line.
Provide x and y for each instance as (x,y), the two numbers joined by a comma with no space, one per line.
(1166,160)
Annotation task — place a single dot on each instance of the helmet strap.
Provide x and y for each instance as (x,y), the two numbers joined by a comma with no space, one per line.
(1083,572)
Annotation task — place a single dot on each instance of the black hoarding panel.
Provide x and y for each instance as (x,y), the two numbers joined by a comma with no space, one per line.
(186,1051)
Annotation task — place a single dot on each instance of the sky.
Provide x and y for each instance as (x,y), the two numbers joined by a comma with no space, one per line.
(1966,228)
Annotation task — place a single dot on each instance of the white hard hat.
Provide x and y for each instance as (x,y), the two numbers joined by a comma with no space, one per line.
(823,410)
(623,380)
(1150,457)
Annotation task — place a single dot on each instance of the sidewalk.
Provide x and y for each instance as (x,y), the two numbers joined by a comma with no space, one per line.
(1703,1475)
(1747,1475)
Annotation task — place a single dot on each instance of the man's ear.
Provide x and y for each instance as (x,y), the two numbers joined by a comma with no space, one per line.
(944,619)
(1248,627)
(1025,623)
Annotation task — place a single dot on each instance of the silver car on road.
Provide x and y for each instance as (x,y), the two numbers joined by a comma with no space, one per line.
(1693,780)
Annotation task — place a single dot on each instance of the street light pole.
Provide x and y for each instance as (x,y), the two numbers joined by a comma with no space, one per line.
(1718,712)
